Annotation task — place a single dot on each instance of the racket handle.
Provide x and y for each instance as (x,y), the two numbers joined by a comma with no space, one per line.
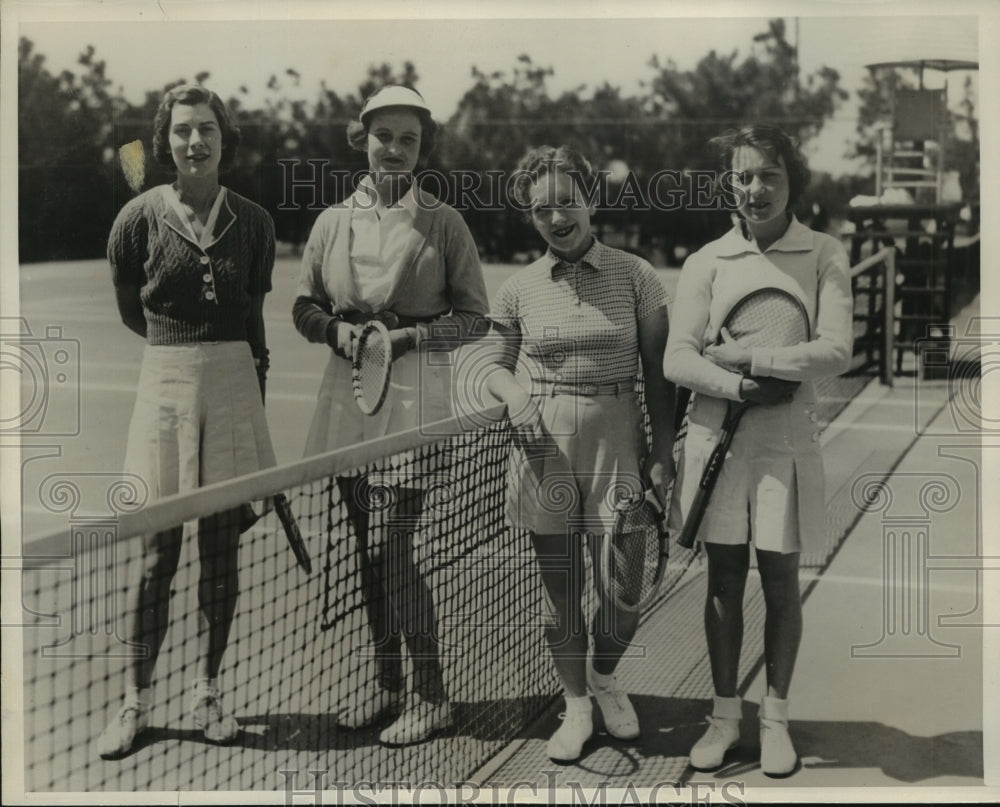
(690,529)
(709,477)
(292,533)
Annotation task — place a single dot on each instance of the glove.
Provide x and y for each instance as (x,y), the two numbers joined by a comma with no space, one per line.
(340,336)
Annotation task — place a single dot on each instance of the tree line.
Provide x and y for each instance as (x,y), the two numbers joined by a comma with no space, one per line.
(294,158)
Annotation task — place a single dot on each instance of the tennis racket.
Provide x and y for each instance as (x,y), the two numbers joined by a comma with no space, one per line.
(634,554)
(371,367)
(767,317)
(292,533)
(248,517)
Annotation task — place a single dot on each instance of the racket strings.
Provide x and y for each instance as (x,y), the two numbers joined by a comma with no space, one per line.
(634,558)
(371,367)
(768,319)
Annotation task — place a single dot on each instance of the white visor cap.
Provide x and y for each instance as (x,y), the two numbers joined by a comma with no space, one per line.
(393,95)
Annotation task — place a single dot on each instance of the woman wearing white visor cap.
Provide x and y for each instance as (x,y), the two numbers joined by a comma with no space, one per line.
(394,252)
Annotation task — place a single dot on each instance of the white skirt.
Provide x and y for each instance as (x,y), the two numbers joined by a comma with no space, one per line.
(417,395)
(198,417)
(770,490)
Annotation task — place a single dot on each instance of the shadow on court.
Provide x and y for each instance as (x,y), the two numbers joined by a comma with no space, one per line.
(313,732)
(863,714)
(868,745)
(670,726)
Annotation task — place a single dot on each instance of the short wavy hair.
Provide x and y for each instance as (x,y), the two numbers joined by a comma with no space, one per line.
(545,160)
(357,132)
(192,94)
(773,142)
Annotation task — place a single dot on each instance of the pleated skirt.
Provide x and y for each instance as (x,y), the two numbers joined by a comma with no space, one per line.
(198,418)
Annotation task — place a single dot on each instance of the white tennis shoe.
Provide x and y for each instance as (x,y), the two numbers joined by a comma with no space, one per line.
(723,733)
(566,745)
(210,717)
(619,715)
(777,754)
(116,740)
(419,721)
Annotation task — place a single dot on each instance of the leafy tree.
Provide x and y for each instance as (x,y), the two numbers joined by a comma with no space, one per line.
(666,126)
(66,185)
(292,147)
(724,91)
(875,108)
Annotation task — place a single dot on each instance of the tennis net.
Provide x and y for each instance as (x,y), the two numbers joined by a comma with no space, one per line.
(302,649)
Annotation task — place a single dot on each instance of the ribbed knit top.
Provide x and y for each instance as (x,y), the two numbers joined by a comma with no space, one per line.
(189,292)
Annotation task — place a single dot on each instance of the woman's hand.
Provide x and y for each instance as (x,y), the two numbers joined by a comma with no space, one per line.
(659,470)
(523,412)
(341,336)
(130,308)
(402,340)
(767,391)
(730,355)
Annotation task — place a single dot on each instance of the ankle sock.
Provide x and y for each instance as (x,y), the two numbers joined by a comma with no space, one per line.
(139,696)
(602,681)
(581,704)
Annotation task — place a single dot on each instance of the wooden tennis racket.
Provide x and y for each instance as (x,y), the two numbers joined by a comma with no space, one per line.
(284,510)
(371,367)
(248,517)
(634,554)
(768,317)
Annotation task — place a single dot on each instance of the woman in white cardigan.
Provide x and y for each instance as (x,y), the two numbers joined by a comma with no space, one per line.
(394,252)
(770,490)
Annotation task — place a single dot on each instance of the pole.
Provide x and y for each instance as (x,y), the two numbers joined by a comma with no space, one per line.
(889,312)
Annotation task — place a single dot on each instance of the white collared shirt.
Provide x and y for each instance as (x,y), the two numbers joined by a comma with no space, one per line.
(213,216)
(378,236)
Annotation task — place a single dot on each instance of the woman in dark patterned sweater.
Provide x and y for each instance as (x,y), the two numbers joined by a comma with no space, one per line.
(191,262)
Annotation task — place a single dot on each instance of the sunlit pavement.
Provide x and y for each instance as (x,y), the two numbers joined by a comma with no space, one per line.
(888,690)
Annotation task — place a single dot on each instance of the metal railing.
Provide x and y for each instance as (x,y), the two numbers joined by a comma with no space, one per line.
(874,278)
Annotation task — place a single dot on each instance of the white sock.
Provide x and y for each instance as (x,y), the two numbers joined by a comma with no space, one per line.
(602,681)
(581,704)
(139,696)
(205,683)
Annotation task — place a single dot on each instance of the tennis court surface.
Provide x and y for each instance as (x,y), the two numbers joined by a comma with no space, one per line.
(300,648)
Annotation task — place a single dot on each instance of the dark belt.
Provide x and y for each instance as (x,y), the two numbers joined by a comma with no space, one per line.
(390,319)
(562,388)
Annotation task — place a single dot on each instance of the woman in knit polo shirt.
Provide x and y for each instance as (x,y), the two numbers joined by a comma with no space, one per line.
(191,264)
(394,252)
(577,326)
